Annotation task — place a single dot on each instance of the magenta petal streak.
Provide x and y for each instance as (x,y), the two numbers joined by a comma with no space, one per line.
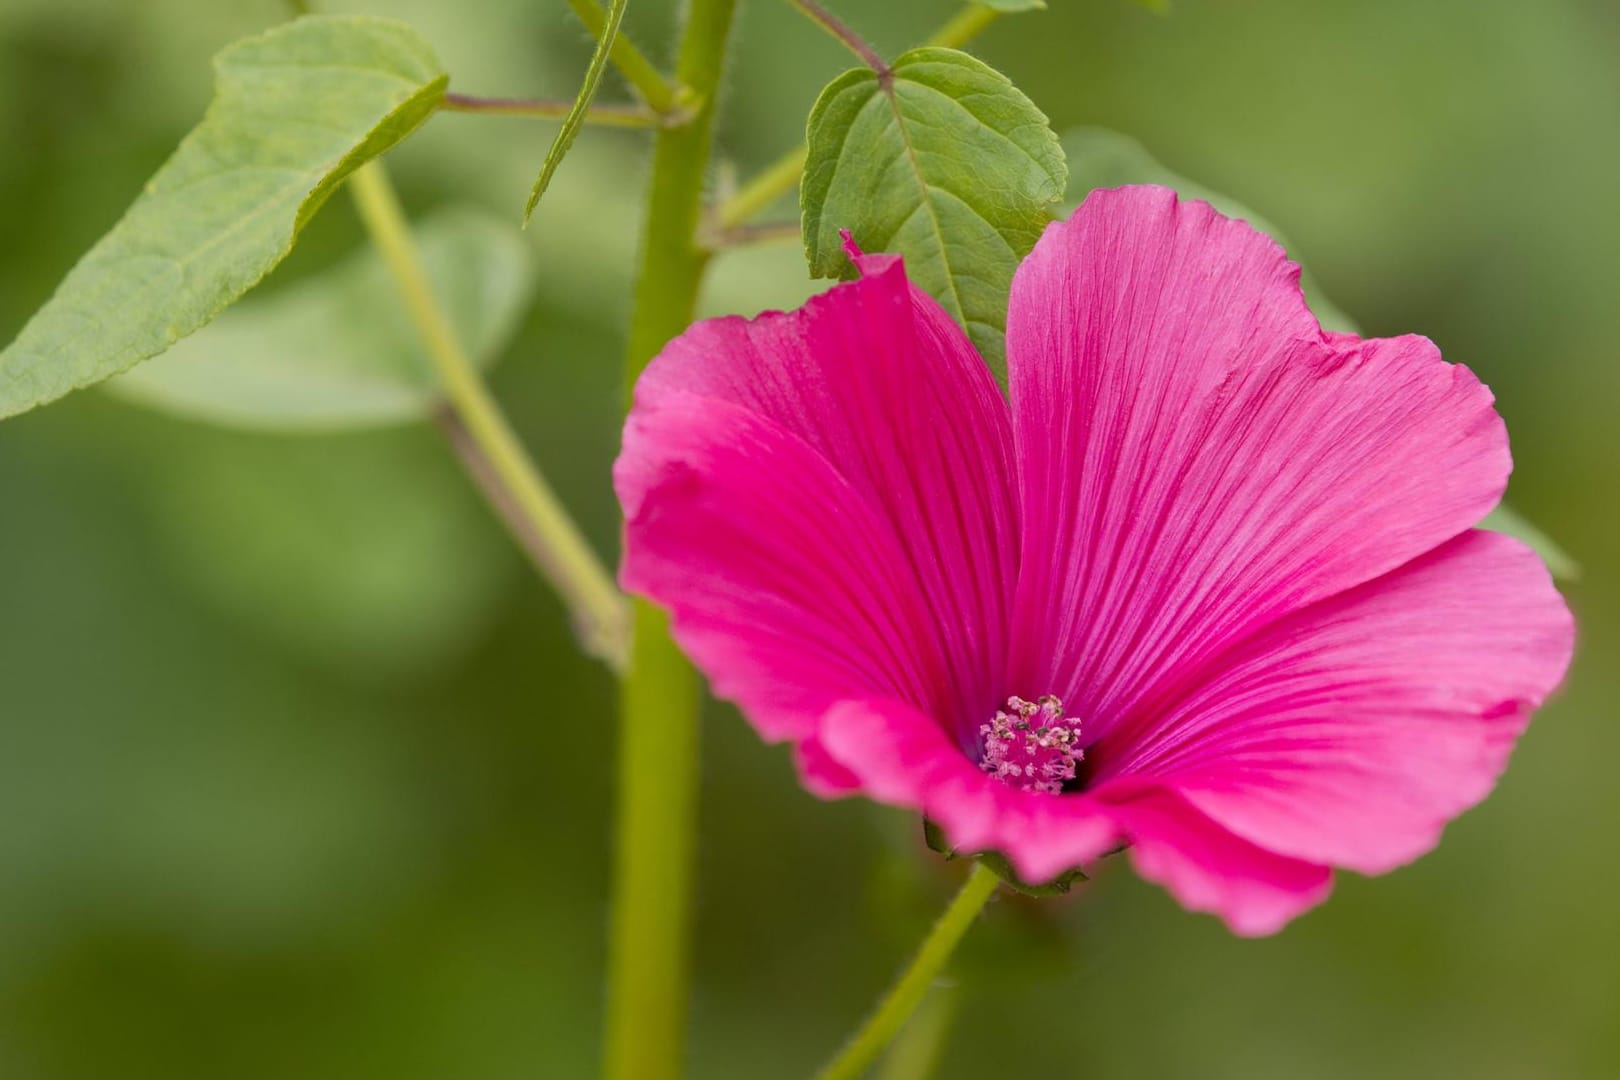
(1238,549)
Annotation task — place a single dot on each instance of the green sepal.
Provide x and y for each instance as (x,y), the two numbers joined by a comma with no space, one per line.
(997,863)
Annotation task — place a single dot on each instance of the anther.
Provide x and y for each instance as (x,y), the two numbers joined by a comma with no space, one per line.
(1031,745)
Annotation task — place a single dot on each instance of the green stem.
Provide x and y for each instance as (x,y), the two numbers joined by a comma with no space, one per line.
(920,1045)
(756,196)
(659,93)
(908,991)
(778,179)
(645,1036)
(635,116)
(968,24)
(562,553)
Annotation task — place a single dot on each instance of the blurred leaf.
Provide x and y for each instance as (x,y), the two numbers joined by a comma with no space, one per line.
(1505,520)
(336,350)
(1012,5)
(1099,158)
(944,162)
(368,554)
(582,101)
(295,110)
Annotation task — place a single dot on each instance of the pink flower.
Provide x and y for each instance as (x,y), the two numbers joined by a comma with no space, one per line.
(1224,559)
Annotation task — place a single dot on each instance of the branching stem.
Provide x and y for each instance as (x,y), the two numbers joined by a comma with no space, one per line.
(631,116)
(549,534)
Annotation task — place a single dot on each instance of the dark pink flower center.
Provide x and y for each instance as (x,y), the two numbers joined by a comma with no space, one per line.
(1031,745)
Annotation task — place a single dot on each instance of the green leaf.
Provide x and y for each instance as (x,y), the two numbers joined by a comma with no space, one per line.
(1504,520)
(336,549)
(295,110)
(582,102)
(1099,158)
(335,351)
(1012,5)
(943,161)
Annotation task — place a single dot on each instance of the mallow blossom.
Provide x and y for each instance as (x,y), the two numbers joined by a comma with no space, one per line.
(1204,582)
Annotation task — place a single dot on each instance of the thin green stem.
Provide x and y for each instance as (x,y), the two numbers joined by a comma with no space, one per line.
(661,95)
(632,116)
(645,1036)
(760,193)
(968,24)
(561,551)
(908,991)
(920,1046)
(843,33)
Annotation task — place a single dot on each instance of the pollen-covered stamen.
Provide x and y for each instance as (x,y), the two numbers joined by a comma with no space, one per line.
(1031,745)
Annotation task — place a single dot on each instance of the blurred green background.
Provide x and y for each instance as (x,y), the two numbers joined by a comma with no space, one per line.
(300,775)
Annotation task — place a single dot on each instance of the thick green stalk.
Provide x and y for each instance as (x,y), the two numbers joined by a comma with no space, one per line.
(645,1036)
(549,534)
(908,991)
(672,261)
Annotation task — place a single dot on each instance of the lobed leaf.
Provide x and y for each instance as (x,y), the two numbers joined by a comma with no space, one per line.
(944,161)
(295,110)
(337,351)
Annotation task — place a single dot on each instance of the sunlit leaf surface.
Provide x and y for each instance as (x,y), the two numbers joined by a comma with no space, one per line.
(295,110)
(337,350)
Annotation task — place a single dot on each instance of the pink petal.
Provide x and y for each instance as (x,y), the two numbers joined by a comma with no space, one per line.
(1197,459)
(821,773)
(1353,731)
(1206,868)
(785,603)
(900,756)
(823,499)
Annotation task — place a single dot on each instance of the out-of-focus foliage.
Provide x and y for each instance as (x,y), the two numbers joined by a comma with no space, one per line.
(251,827)
(333,351)
(296,110)
(1012,5)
